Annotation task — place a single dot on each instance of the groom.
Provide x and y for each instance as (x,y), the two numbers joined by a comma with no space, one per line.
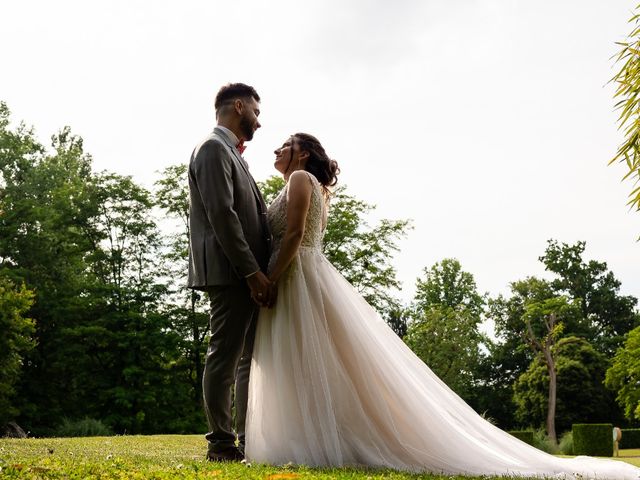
(229,246)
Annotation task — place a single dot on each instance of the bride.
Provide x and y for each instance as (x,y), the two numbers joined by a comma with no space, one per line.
(332,385)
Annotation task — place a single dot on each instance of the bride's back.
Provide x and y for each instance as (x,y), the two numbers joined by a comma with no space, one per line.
(314,223)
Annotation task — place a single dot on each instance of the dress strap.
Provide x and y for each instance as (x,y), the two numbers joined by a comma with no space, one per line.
(312,178)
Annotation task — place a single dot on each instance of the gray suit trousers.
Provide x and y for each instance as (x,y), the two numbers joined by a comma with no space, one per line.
(232,323)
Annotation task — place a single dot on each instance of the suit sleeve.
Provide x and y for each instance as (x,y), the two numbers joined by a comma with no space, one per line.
(212,172)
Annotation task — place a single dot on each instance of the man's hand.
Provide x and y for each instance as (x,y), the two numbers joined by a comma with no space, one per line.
(261,288)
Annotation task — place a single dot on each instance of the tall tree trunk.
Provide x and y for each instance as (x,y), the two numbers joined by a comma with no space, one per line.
(551,407)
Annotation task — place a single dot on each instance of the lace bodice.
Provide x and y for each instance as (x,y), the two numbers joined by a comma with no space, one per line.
(314,224)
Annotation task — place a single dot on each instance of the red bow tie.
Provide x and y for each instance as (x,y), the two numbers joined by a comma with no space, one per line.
(240,146)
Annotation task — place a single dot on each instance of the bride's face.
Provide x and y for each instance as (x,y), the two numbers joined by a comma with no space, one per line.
(284,156)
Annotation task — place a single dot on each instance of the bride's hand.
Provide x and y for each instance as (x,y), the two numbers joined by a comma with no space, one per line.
(273,293)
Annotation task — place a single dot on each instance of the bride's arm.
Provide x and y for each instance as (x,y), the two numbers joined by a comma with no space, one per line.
(300,190)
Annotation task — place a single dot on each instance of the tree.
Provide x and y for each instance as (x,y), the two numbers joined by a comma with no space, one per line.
(628,84)
(580,398)
(363,253)
(448,342)
(543,328)
(360,252)
(44,243)
(271,187)
(88,247)
(142,384)
(445,316)
(508,357)
(186,308)
(15,341)
(623,376)
(606,315)
(445,284)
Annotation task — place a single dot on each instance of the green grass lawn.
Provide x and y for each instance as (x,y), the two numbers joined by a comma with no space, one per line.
(161,457)
(631,456)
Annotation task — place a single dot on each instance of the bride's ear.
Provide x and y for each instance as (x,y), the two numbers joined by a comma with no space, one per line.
(304,155)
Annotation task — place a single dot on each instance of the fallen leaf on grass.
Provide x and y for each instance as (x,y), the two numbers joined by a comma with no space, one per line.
(17,466)
(281,476)
(214,473)
(39,469)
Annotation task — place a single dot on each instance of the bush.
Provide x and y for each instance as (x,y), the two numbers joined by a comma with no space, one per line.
(630,438)
(542,442)
(525,435)
(595,439)
(87,427)
(566,443)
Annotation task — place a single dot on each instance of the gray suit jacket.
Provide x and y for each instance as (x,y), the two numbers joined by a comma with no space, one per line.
(229,235)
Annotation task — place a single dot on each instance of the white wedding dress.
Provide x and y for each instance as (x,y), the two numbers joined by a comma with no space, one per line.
(332,385)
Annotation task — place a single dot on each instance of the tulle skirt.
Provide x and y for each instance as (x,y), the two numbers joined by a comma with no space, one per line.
(332,385)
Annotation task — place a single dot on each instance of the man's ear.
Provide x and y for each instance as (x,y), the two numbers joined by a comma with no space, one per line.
(238,106)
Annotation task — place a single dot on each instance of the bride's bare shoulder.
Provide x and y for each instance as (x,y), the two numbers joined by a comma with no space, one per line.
(301,179)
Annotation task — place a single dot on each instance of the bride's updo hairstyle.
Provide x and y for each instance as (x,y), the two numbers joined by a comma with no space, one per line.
(318,164)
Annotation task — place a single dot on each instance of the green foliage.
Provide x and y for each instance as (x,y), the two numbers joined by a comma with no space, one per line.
(443,332)
(525,435)
(580,396)
(540,329)
(445,284)
(271,187)
(509,357)
(604,318)
(172,192)
(543,442)
(627,81)
(448,342)
(594,439)
(15,341)
(606,315)
(186,309)
(363,253)
(623,376)
(630,438)
(543,326)
(45,237)
(129,334)
(88,246)
(566,443)
(85,427)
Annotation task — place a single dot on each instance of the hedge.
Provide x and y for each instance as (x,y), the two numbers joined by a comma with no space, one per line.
(595,439)
(630,438)
(524,435)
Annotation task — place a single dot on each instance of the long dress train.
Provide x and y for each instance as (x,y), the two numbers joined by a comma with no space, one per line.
(332,385)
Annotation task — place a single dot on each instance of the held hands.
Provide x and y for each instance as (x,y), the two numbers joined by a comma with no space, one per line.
(263,291)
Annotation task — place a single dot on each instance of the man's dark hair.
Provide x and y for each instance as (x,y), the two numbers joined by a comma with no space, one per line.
(231,91)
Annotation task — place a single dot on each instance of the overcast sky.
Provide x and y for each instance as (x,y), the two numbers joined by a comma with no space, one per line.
(489,123)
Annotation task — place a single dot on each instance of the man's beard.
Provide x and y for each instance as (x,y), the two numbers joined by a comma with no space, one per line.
(246,127)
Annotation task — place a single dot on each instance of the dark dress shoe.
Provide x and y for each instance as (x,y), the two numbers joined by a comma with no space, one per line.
(231,454)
